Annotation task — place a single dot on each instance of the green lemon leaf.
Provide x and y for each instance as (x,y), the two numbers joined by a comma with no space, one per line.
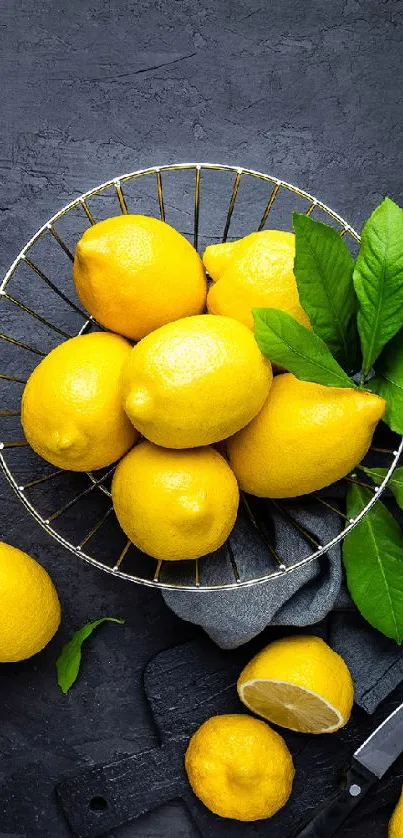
(290,345)
(373,560)
(378,280)
(323,270)
(395,483)
(68,663)
(388,382)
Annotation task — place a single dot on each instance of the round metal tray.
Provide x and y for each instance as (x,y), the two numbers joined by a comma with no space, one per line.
(38,308)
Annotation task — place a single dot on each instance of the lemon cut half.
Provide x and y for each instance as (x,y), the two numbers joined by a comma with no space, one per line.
(290,706)
(299,683)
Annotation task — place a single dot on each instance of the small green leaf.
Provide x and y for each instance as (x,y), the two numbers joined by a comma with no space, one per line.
(373,559)
(68,662)
(395,483)
(290,345)
(323,270)
(388,382)
(378,280)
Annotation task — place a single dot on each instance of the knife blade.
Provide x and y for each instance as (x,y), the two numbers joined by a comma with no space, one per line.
(369,764)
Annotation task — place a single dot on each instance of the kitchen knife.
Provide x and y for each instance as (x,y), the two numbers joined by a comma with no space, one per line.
(370,762)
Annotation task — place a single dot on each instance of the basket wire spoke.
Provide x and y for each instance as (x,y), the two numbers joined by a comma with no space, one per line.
(34,489)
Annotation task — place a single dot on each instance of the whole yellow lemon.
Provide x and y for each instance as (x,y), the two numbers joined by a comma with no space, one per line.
(300,683)
(134,273)
(71,412)
(254,272)
(396,821)
(305,437)
(195,382)
(239,767)
(175,504)
(29,605)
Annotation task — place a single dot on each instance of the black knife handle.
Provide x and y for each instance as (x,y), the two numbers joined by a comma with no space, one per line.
(331,816)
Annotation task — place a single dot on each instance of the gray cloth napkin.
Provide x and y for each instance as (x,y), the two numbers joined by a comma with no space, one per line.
(313,595)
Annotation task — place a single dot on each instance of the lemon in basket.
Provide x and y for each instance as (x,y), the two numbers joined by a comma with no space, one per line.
(71,409)
(29,605)
(306,437)
(299,683)
(239,767)
(175,504)
(254,272)
(195,382)
(134,273)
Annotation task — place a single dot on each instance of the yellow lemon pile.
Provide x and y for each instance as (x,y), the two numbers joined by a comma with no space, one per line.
(193,380)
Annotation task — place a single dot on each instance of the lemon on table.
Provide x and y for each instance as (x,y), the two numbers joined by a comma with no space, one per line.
(29,605)
(254,272)
(175,504)
(305,437)
(134,273)
(195,382)
(299,683)
(239,768)
(396,821)
(71,410)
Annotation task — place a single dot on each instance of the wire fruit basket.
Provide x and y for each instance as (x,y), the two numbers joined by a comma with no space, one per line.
(38,308)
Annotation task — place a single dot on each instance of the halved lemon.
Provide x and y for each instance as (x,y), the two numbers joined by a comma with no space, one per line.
(299,683)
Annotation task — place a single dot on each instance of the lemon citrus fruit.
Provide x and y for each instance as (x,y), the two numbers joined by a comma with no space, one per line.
(175,504)
(299,683)
(195,382)
(305,437)
(239,767)
(256,271)
(71,411)
(29,605)
(396,821)
(134,273)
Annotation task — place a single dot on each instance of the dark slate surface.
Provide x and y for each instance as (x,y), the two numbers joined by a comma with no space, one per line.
(309,91)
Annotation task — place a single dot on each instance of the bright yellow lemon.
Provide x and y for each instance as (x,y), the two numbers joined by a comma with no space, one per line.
(175,504)
(195,382)
(29,605)
(134,273)
(305,437)
(299,683)
(239,768)
(254,272)
(71,413)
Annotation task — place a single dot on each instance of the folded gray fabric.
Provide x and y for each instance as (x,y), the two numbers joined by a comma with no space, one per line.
(301,598)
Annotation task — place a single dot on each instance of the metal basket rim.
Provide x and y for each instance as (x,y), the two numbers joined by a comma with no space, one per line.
(152,583)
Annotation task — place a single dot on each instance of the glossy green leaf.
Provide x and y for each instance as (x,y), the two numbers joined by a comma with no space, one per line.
(68,663)
(388,382)
(395,483)
(378,280)
(289,345)
(323,270)
(373,560)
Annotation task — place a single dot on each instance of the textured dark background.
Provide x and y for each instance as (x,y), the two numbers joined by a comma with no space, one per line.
(311,92)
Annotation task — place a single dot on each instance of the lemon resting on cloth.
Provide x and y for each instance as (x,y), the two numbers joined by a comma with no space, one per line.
(298,683)
(175,504)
